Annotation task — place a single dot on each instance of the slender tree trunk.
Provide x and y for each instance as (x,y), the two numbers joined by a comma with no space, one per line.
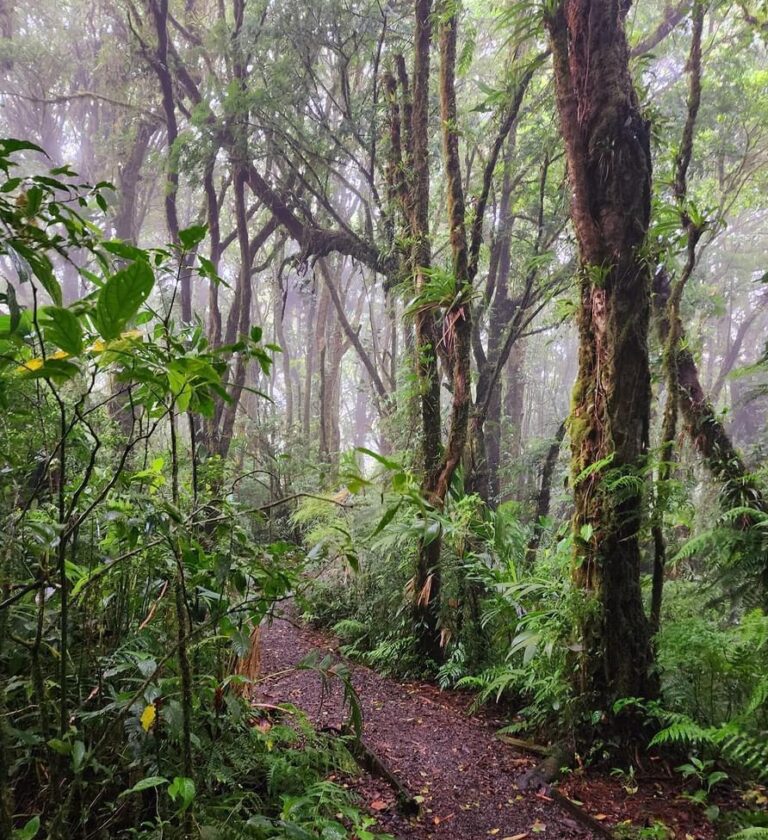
(514,407)
(545,492)
(427,580)
(240,316)
(159,10)
(704,429)
(671,409)
(309,363)
(280,312)
(126,218)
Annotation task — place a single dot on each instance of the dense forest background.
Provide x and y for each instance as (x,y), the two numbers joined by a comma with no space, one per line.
(438,325)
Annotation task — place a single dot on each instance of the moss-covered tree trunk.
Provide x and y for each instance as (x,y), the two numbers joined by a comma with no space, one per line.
(427,580)
(609,166)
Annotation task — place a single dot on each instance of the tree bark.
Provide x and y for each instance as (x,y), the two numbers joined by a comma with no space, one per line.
(607,145)
(545,492)
(159,10)
(706,432)
(671,409)
(427,580)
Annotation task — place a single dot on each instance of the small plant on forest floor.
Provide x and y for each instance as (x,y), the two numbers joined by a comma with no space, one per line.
(628,779)
(704,773)
(656,831)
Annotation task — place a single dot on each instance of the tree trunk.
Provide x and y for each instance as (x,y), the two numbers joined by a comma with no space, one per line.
(545,492)
(160,63)
(309,364)
(427,580)
(707,434)
(607,145)
(514,404)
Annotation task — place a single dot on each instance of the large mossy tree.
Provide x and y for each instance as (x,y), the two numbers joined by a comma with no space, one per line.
(607,142)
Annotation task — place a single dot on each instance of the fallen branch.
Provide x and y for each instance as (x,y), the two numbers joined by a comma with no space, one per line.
(374,764)
(584,818)
(539,779)
(527,746)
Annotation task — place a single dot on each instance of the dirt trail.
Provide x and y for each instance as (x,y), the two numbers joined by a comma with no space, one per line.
(464,774)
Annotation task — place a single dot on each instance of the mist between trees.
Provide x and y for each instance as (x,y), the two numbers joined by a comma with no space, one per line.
(438,325)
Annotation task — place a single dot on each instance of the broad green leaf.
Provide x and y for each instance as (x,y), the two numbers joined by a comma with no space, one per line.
(29,261)
(386,519)
(78,754)
(184,398)
(431,532)
(120,298)
(383,460)
(29,831)
(10,185)
(33,201)
(8,145)
(191,236)
(59,746)
(146,784)
(176,380)
(123,249)
(13,308)
(182,790)
(63,328)
(208,270)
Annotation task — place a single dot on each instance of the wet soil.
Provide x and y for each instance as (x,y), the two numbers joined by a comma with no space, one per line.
(463,777)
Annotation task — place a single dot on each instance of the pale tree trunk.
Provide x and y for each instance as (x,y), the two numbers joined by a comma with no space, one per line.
(309,367)
(280,312)
(160,63)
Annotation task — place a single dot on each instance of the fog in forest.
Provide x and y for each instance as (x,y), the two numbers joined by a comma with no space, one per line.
(437,325)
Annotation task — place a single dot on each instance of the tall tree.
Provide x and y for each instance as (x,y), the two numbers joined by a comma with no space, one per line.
(607,144)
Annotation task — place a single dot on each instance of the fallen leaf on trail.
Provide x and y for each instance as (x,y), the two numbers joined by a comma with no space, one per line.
(538,827)
(494,831)
(516,836)
(379,805)
(601,817)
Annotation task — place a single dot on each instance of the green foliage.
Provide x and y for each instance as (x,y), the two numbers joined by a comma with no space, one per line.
(129,582)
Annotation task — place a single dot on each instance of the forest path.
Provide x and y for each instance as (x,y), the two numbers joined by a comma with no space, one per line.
(465,775)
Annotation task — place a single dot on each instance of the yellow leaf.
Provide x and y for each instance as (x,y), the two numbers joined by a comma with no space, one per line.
(32,364)
(148,717)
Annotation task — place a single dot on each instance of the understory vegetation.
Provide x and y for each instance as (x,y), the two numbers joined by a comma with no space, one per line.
(439,327)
